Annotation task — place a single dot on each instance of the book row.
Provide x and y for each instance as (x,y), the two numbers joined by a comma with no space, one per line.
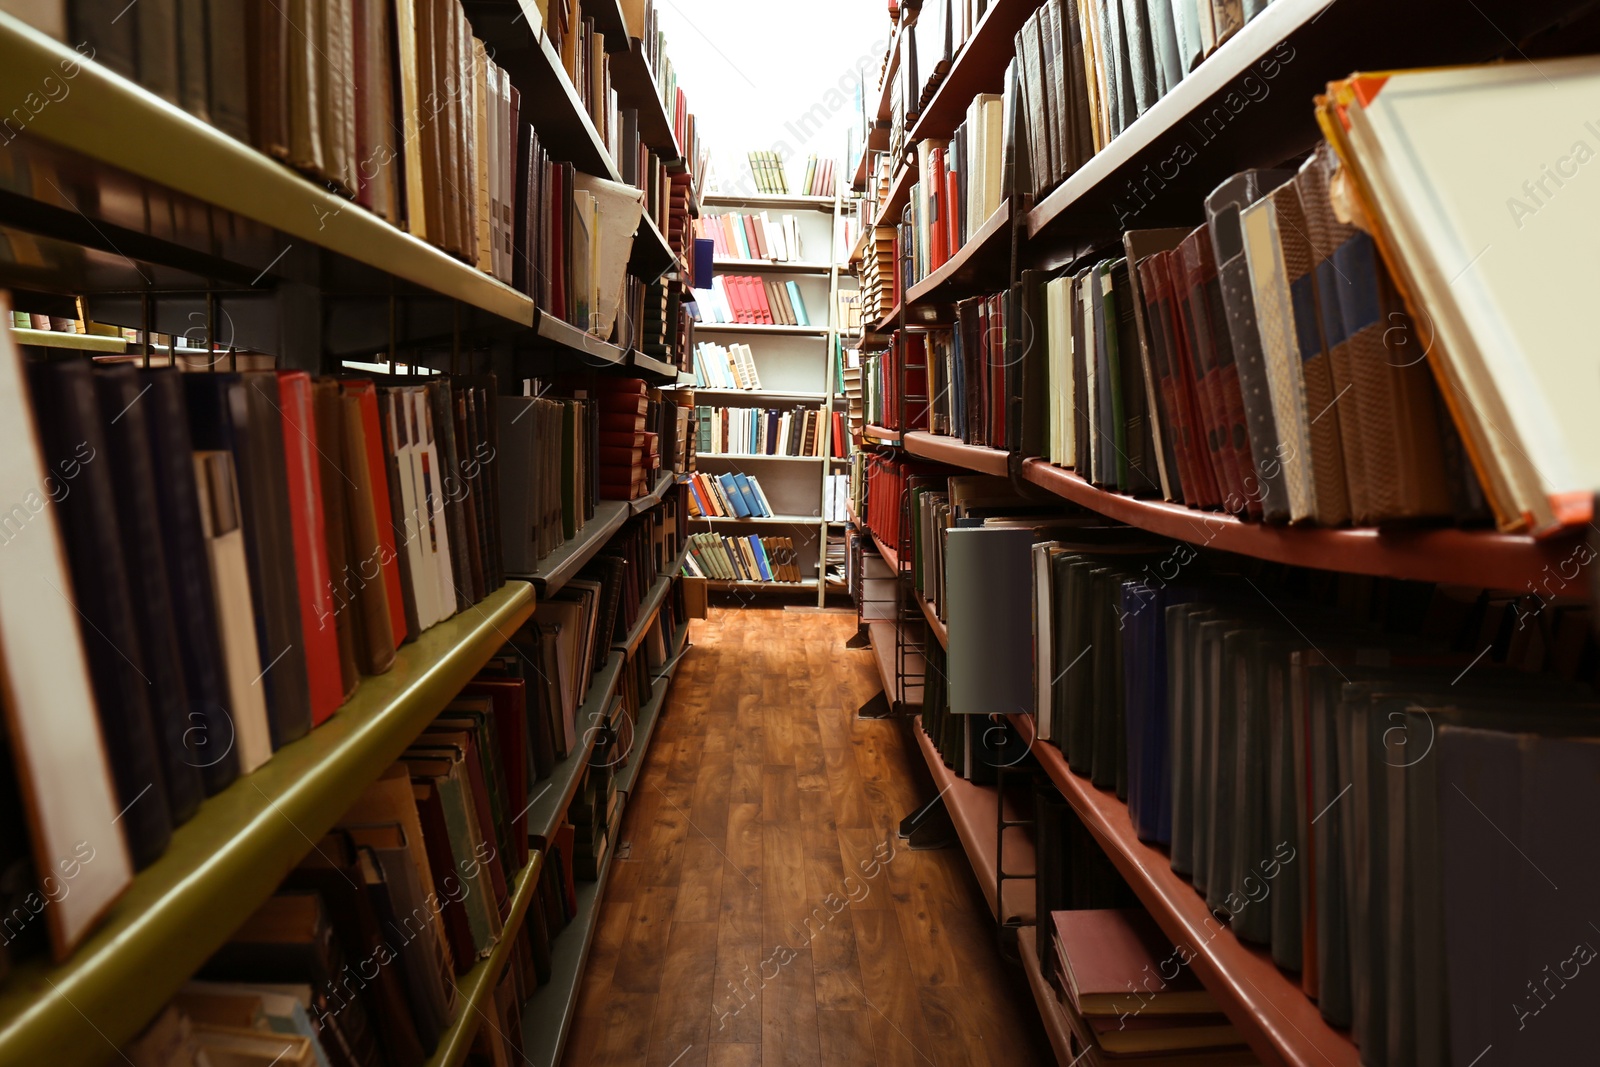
(742,559)
(770,432)
(768,171)
(1323,785)
(693,151)
(239,549)
(959,186)
(725,366)
(751,300)
(736,496)
(735,235)
(1086,73)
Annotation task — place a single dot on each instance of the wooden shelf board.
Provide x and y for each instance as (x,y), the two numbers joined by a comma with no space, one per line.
(974,811)
(974,268)
(765,459)
(882,632)
(475,989)
(652,365)
(779,520)
(890,556)
(1472,557)
(648,610)
(1280,1023)
(980,67)
(936,626)
(230,857)
(591,350)
(770,266)
(769,201)
(956,452)
(752,327)
(553,795)
(123,128)
(635,82)
(77,342)
(560,565)
(723,585)
(781,395)
(886,89)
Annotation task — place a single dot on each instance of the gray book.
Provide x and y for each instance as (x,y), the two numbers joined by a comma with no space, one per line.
(989,585)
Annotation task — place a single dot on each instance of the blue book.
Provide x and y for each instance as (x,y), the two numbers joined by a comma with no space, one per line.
(752,506)
(799,305)
(730,489)
(703,249)
(762,564)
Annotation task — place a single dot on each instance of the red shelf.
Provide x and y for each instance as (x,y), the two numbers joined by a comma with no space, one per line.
(979,68)
(974,268)
(956,452)
(1056,1024)
(1280,1022)
(1469,557)
(973,810)
(940,631)
(890,556)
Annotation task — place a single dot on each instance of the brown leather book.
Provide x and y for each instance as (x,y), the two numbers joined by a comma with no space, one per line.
(336,95)
(1388,418)
(225,68)
(268,65)
(302,43)
(413,148)
(378,137)
(363,583)
(330,432)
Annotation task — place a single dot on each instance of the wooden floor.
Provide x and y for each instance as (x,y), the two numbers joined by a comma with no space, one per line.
(766,913)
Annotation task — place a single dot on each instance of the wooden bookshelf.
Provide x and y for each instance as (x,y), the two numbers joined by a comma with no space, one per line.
(973,269)
(908,696)
(724,585)
(223,863)
(550,797)
(899,191)
(758,520)
(98,344)
(664,483)
(980,67)
(652,366)
(975,810)
(741,457)
(1470,557)
(650,712)
(648,610)
(890,556)
(956,452)
(777,396)
(635,83)
(882,434)
(888,322)
(475,989)
(770,202)
(1280,1022)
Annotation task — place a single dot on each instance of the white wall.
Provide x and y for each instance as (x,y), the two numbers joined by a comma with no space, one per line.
(771,75)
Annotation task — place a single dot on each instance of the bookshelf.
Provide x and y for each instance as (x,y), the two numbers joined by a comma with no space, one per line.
(790,369)
(230,856)
(1304,44)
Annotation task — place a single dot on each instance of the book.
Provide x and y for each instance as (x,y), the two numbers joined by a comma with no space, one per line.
(1111,966)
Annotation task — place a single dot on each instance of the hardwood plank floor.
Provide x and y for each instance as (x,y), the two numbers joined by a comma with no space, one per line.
(763,910)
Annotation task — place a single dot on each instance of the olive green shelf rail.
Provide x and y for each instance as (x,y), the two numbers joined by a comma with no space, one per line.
(475,989)
(232,855)
(114,121)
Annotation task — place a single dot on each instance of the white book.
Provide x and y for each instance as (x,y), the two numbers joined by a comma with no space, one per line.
(434,499)
(230,583)
(423,591)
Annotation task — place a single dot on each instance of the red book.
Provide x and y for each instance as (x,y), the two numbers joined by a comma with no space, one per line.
(366,395)
(621,422)
(625,439)
(952,199)
(761,302)
(838,435)
(613,454)
(623,404)
(303,463)
(618,386)
(1153,286)
(1189,279)
(1200,488)
(508,700)
(933,198)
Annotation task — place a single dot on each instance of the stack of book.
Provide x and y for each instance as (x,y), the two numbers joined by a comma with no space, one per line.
(660,317)
(680,226)
(767,170)
(1129,1000)
(742,559)
(849,307)
(752,300)
(735,495)
(725,366)
(735,235)
(1085,80)
(797,431)
(629,452)
(880,274)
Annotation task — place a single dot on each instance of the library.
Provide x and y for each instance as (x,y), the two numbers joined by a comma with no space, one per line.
(691,533)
